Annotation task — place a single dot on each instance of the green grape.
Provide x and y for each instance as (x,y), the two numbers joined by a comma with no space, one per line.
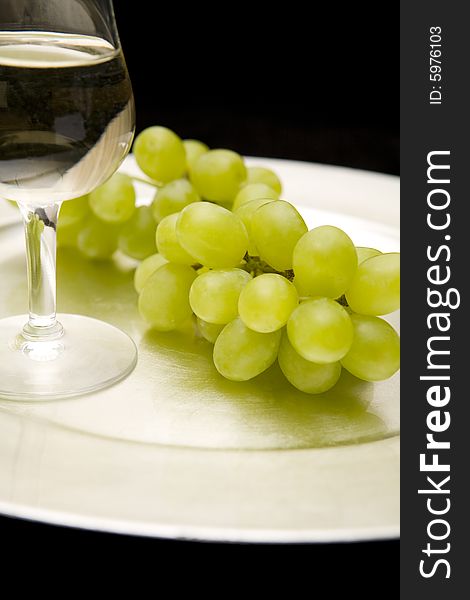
(364,253)
(324,261)
(276,228)
(375,351)
(160,154)
(209,331)
(375,288)
(267,302)
(146,268)
(67,235)
(74,211)
(254,191)
(214,295)
(188,327)
(97,240)
(246,212)
(320,330)
(73,215)
(114,201)
(305,375)
(226,205)
(194,149)
(241,354)
(217,175)
(264,175)
(215,236)
(172,198)
(164,300)
(168,244)
(137,237)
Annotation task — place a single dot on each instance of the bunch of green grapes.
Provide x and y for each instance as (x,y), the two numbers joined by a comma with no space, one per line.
(230,260)
(107,219)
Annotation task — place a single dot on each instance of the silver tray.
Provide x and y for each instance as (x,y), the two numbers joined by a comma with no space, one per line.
(175,450)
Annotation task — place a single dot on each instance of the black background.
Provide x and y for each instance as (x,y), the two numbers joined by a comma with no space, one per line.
(273,81)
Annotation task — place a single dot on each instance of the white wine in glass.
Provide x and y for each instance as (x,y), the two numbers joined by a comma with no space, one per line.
(67,121)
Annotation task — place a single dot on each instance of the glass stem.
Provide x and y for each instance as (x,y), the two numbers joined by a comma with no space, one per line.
(40,226)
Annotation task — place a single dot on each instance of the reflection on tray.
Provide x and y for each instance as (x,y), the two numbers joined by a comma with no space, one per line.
(176,397)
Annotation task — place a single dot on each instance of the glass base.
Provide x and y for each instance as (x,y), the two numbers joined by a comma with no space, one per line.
(89,356)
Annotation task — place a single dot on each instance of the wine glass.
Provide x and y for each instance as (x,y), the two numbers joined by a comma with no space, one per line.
(67,121)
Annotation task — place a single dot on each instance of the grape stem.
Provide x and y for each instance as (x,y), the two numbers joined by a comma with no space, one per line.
(256,266)
(342,300)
